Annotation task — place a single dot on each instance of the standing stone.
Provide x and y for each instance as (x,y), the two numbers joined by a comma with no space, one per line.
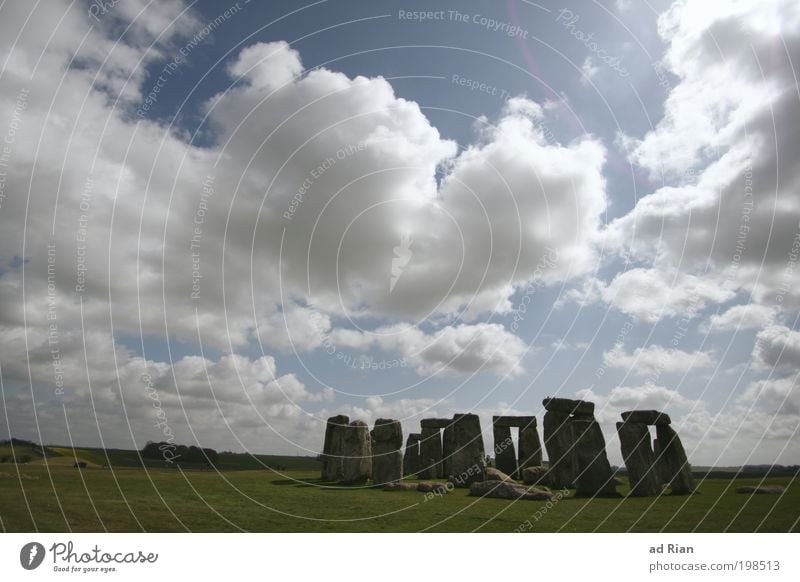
(530,448)
(559,442)
(387,456)
(674,462)
(593,476)
(332,465)
(505,458)
(634,440)
(412,459)
(468,456)
(357,453)
(430,453)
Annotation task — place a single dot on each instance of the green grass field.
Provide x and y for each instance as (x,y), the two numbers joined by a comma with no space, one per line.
(165,500)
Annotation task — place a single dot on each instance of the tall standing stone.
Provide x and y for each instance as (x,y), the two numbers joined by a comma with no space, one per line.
(674,462)
(412,459)
(593,474)
(559,442)
(430,453)
(332,462)
(530,448)
(634,441)
(387,456)
(469,456)
(505,457)
(357,453)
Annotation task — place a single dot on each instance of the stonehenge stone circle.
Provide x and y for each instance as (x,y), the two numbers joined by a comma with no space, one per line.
(357,453)
(453,448)
(387,456)
(332,461)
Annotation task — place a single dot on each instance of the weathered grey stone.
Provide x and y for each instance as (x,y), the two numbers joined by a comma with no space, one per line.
(675,463)
(568,406)
(357,453)
(535,476)
(430,451)
(506,490)
(593,475)
(761,489)
(412,460)
(492,474)
(432,487)
(387,456)
(652,417)
(505,457)
(332,465)
(468,459)
(634,440)
(513,421)
(559,441)
(530,448)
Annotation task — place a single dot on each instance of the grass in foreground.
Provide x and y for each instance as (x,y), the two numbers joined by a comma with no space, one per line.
(127,499)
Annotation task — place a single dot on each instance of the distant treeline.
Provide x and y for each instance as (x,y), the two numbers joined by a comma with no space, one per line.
(22,451)
(179,453)
(22,443)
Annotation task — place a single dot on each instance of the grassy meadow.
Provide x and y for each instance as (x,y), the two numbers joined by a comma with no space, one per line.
(55,497)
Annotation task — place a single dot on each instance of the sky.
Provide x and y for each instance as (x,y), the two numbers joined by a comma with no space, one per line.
(223,223)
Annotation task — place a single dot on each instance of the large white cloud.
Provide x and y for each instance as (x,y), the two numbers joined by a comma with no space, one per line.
(741,317)
(777,346)
(655,359)
(728,212)
(119,226)
(163,220)
(452,350)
